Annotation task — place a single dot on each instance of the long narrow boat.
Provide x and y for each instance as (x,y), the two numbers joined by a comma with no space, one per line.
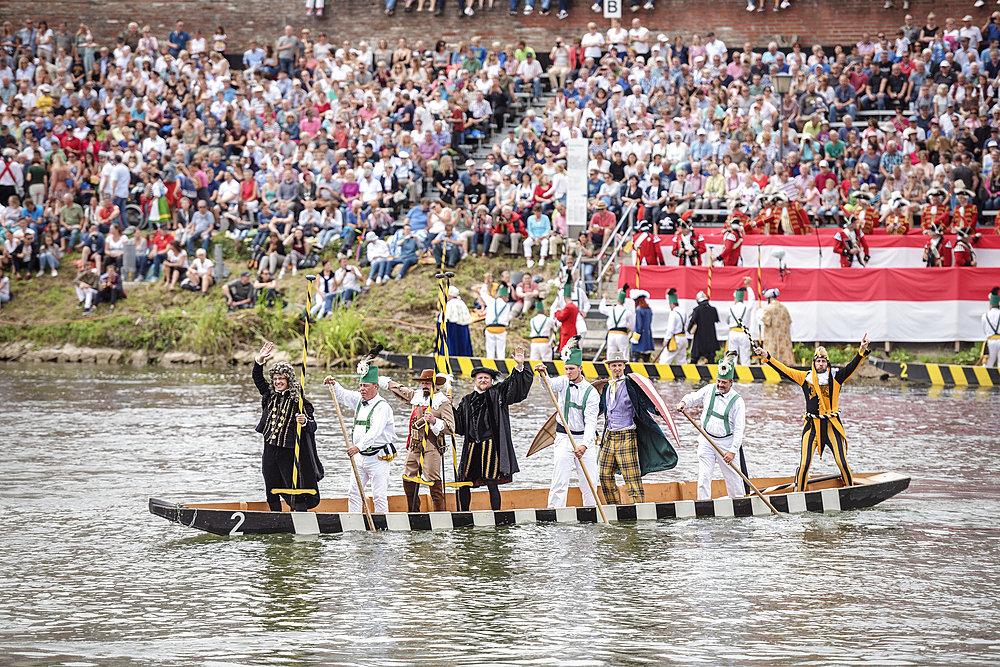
(942,374)
(670,500)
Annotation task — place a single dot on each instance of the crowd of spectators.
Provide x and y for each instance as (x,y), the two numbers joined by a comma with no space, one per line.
(314,146)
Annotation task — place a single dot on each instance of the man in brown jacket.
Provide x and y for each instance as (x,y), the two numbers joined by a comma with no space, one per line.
(431,419)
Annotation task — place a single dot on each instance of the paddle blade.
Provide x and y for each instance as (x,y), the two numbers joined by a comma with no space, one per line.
(545,436)
(649,389)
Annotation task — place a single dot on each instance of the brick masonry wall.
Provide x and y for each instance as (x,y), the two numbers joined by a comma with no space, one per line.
(807,20)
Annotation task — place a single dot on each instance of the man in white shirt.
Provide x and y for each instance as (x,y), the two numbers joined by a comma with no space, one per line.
(723,417)
(120,185)
(370,187)
(498,314)
(675,342)
(715,46)
(742,311)
(620,323)
(530,70)
(229,193)
(638,37)
(154,142)
(373,437)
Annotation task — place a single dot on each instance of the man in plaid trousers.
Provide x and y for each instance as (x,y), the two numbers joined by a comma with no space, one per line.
(633,443)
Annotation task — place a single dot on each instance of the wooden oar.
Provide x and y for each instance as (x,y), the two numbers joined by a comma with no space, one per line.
(732,463)
(583,466)
(357,477)
(779,487)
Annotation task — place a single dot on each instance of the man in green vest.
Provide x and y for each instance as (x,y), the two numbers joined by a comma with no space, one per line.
(580,407)
(723,416)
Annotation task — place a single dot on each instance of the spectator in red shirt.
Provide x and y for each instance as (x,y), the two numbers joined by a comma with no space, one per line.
(601,223)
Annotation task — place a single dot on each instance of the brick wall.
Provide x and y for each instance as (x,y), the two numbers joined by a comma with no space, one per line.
(807,20)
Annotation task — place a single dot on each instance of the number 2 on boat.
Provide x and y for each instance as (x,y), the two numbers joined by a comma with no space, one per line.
(236,529)
(902,371)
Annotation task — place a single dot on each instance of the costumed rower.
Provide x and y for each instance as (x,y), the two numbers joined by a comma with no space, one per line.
(936,212)
(723,416)
(701,326)
(688,246)
(483,417)
(777,328)
(822,428)
(457,319)
(567,314)
(619,322)
(580,406)
(642,336)
(541,328)
(373,435)
(937,252)
(633,443)
(742,311)
(991,327)
(850,243)
(431,419)
(674,341)
(279,402)
(498,313)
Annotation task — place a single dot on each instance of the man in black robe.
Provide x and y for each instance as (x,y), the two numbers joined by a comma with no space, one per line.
(483,417)
(281,413)
(705,344)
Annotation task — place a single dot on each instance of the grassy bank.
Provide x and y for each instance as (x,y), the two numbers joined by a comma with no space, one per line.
(399,315)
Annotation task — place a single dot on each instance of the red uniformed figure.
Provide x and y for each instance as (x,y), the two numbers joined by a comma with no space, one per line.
(898,221)
(937,252)
(647,245)
(851,245)
(963,253)
(688,246)
(936,212)
(799,219)
(864,214)
(763,222)
(965,214)
(732,240)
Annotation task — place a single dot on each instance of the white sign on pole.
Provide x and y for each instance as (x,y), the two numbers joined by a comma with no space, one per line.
(612,9)
(576,187)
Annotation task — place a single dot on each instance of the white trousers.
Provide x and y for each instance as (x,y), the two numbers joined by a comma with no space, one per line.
(540,352)
(707,458)
(678,356)
(319,4)
(993,352)
(86,295)
(738,341)
(563,463)
(543,247)
(618,342)
(496,345)
(370,469)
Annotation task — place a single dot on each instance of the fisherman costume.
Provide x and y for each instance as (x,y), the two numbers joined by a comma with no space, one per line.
(619,323)
(498,313)
(675,341)
(540,329)
(741,311)
(425,442)
(822,427)
(483,417)
(457,320)
(991,327)
(374,434)
(278,426)
(701,324)
(723,417)
(579,404)
(633,443)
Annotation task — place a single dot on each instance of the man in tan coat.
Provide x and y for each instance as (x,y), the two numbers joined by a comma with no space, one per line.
(431,419)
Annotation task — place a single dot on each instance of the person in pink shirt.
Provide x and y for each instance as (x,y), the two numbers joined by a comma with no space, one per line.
(310,124)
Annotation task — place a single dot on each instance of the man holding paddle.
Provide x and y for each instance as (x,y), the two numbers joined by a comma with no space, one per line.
(723,417)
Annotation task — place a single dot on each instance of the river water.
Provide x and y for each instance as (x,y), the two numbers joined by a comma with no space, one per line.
(89,577)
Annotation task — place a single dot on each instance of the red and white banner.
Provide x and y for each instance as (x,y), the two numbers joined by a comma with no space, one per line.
(815,251)
(837,305)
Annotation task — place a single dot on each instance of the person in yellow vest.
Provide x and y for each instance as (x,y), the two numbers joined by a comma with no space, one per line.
(822,428)
(498,314)
(540,329)
(965,214)
(935,212)
(991,327)
(723,416)
(619,322)
(431,418)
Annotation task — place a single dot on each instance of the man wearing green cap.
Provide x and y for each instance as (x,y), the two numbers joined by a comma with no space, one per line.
(498,314)
(674,341)
(742,311)
(991,327)
(373,435)
(540,328)
(723,416)
(619,323)
(580,407)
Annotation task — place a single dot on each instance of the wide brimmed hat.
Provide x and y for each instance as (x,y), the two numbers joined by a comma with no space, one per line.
(616,356)
(639,294)
(771,293)
(935,228)
(937,192)
(863,193)
(960,189)
(492,372)
(428,374)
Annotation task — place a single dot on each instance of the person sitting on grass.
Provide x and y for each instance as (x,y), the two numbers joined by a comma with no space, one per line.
(239,293)
(110,287)
(199,273)
(86,284)
(265,282)
(49,255)
(4,287)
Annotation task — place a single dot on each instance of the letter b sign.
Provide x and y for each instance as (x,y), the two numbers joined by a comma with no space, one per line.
(612,9)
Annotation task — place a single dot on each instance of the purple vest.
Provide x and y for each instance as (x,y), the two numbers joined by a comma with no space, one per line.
(620,415)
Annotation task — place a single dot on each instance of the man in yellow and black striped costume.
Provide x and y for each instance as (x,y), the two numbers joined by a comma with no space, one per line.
(822,427)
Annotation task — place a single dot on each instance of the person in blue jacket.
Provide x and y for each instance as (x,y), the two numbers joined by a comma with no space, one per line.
(642,335)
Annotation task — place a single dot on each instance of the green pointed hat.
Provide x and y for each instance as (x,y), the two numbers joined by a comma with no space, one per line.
(622,293)
(568,290)
(740,294)
(368,371)
(727,367)
(503,291)
(539,306)
(572,355)
(995,298)
(672,296)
